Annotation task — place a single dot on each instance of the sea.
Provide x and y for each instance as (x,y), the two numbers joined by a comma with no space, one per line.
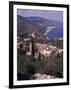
(55,33)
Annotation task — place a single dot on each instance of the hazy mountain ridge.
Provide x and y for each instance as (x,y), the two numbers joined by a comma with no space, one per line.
(25,27)
(37,25)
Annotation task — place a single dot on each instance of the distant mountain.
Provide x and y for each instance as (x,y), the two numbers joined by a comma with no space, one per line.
(25,28)
(43,28)
(42,22)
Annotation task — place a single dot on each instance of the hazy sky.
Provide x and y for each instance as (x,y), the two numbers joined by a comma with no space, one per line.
(54,15)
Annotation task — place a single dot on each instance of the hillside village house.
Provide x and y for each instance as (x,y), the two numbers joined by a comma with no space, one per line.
(42,48)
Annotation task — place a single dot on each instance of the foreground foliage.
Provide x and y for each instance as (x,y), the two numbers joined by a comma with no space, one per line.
(27,66)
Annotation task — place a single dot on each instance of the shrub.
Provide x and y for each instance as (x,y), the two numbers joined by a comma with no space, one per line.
(27,66)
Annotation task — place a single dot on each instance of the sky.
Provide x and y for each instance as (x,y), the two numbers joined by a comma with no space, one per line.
(48,14)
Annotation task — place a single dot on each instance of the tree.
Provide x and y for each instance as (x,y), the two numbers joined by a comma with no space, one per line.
(58,55)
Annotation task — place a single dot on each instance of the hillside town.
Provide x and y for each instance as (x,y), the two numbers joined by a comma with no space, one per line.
(39,48)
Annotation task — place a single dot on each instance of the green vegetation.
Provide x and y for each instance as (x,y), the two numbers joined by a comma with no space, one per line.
(27,66)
